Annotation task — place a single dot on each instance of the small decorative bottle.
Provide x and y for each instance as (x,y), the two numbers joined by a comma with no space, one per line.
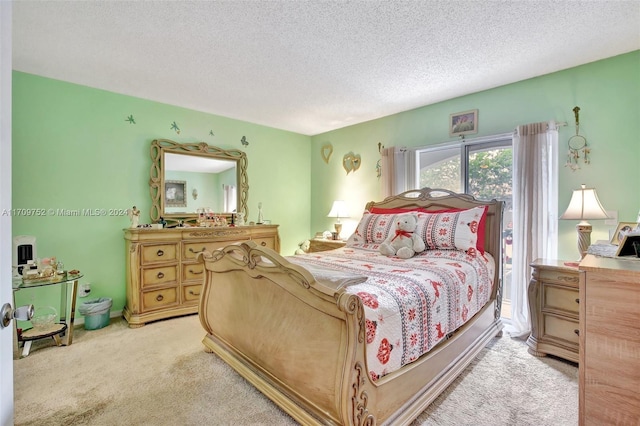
(260,217)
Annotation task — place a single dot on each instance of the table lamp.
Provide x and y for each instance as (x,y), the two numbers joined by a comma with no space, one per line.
(338,210)
(584,205)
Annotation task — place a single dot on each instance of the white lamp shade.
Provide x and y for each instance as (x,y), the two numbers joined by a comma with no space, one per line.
(339,209)
(584,205)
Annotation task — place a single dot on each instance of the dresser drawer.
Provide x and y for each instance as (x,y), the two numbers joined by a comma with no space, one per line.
(159,253)
(191,250)
(193,271)
(191,293)
(159,298)
(265,242)
(159,276)
(561,328)
(560,298)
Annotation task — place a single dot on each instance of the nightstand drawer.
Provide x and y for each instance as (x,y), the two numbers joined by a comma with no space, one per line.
(317,244)
(560,277)
(560,298)
(561,328)
(554,309)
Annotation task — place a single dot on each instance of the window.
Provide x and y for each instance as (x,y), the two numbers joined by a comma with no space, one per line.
(229,198)
(481,167)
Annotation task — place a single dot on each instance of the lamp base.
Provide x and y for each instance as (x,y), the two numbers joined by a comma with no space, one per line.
(338,227)
(584,237)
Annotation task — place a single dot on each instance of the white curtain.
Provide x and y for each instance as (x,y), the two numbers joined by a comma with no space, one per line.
(535,212)
(393,176)
(229,198)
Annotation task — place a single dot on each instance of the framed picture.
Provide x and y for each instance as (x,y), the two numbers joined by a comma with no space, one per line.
(623,227)
(463,123)
(174,193)
(629,246)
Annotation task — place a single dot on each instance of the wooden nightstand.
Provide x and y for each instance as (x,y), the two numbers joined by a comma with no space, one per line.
(554,309)
(320,244)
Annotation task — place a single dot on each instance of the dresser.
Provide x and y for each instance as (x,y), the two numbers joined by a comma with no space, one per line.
(609,370)
(163,275)
(554,309)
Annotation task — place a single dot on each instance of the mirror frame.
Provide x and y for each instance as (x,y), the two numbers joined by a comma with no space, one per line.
(200,149)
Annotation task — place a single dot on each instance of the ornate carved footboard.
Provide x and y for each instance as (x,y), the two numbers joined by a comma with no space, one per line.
(296,340)
(302,342)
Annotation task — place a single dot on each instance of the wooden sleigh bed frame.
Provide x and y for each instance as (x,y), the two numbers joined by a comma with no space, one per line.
(302,343)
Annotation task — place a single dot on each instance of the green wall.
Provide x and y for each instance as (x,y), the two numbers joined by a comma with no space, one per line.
(607,92)
(73,149)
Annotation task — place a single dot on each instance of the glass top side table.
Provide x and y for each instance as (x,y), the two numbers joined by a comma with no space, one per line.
(67,316)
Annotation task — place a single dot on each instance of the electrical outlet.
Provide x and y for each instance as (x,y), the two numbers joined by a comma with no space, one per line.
(613,215)
(84,290)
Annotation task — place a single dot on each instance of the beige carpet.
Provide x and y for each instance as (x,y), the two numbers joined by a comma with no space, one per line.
(160,375)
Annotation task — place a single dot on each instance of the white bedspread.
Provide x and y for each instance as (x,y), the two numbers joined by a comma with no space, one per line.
(410,305)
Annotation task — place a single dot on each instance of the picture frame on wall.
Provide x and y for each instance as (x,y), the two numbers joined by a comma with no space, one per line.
(174,193)
(622,229)
(463,123)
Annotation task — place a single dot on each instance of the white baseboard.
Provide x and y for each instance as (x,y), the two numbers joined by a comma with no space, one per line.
(80,319)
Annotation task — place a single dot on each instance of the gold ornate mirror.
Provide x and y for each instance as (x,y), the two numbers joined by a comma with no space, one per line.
(188,177)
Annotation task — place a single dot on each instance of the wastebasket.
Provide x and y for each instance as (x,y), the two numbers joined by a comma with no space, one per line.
(96,312)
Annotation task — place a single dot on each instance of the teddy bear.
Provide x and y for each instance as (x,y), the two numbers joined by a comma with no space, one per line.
(403,242)
(303,247)
(239,219)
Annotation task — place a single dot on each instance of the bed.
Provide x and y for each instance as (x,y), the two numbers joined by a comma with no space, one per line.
(301,329)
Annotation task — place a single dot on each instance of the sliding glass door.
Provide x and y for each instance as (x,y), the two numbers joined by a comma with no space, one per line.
(479,167)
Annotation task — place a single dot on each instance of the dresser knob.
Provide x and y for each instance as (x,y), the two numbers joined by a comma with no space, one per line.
(577,332)
(159,298)
(160,275)
(577,300)
(263,244)
(160,253)
(193,294)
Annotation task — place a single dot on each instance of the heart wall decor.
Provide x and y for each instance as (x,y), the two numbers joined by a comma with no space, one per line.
(351,162)
(326,151)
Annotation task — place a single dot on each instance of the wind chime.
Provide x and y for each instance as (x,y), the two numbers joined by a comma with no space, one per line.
(379,163)
(577,146)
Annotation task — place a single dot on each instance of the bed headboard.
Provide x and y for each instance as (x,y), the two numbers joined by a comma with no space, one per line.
(439,199)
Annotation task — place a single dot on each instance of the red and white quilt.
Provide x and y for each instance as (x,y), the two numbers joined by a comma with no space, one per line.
(410,305)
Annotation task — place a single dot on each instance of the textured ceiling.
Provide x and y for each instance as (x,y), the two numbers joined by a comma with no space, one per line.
(313,66)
